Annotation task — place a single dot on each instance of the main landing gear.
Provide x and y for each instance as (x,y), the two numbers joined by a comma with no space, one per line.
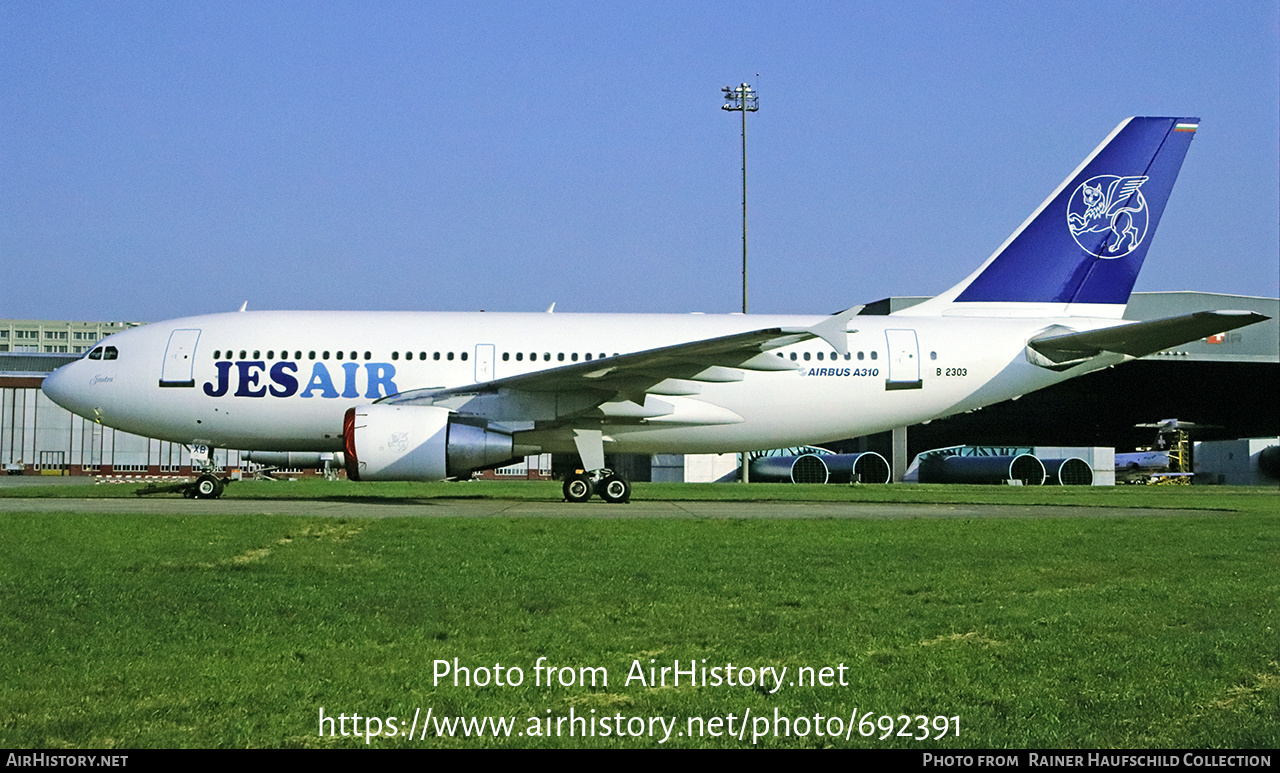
(611,487)
(579,486)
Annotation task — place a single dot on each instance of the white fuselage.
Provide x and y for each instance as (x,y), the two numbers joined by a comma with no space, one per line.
(283,380)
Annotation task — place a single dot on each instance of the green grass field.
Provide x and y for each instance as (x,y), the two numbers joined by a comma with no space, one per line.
(217,631)
(1226,498)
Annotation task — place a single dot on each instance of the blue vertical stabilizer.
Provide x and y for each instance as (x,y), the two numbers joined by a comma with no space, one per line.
(1087,241)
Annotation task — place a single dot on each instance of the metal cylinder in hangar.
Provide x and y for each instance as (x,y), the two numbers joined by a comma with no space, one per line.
(806,468)
(867,467)
(982,469)
(1072,471)
(1269,462)
(296,460)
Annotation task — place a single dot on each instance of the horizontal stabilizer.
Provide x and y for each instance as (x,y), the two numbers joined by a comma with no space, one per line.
(1139,339)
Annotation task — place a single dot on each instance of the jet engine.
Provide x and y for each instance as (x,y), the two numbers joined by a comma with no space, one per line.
(389,442)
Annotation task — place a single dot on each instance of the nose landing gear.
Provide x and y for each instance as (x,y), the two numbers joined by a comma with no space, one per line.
(207,487)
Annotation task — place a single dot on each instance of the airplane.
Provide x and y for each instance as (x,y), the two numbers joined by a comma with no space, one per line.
(1140,465)
(431,396)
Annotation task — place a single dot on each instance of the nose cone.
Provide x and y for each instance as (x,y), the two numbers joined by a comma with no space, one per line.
(58,387)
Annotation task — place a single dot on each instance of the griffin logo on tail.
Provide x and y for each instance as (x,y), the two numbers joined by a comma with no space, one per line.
(1109,205)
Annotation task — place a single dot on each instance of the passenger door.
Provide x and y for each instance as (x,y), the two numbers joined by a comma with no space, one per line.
(179,359)
(904,360)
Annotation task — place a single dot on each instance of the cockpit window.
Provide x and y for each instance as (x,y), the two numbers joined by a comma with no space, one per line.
(110,353)
(96,354)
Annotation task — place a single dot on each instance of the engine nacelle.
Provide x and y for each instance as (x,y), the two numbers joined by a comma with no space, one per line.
(388,442)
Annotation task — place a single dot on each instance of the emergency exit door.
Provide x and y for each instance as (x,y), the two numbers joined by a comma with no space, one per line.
(484,363)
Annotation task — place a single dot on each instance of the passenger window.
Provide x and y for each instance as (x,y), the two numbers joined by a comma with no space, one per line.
(506,356)
(806,356)
(873,355)
(338,355)
(933,355)
(324,355)
(216,352)
(449,356)
(464,355)
(587,356)
(519,356)
(297,355)
(435,355)
(819,355)
(242,353)
(793,356)
(255,353)
(395,356)
(311,355)
(859,355)
(353,356)
(368,355)
(271,354)
(560,357)
(574,356)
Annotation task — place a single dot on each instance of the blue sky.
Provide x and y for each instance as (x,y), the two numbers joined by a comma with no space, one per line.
(162,159)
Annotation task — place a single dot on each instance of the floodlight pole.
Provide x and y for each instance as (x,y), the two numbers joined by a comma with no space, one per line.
(742,99)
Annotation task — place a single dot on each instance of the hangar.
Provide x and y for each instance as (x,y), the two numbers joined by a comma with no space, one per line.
(1228,384)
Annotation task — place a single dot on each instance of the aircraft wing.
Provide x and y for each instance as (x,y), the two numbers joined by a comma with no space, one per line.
(623,387)
(1139,339)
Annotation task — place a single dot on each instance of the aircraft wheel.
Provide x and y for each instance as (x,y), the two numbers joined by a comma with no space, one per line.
(577,488)
(615,489)
(208,487)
